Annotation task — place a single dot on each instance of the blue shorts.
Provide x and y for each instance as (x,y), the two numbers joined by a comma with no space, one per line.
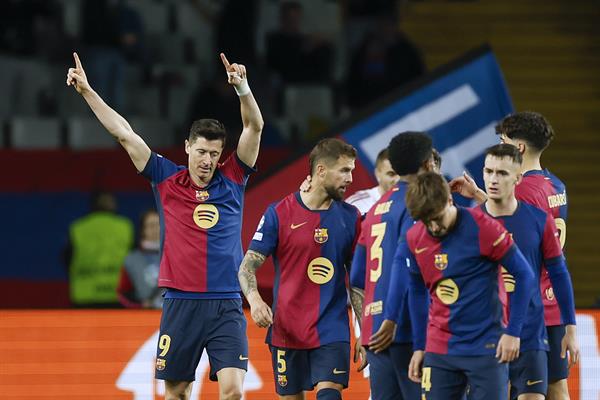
(558,368)
(389,374)
(187,327)
(298,370)
(447,377)
(529,373)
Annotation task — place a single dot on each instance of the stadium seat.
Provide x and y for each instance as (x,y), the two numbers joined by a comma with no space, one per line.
(71,11)
(178,105)
(34,133)
(192,25)
(87,134)
(143,101)
(168,48)
(309,109)
(157,133)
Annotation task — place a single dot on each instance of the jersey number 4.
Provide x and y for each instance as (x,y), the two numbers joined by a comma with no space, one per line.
(377,232)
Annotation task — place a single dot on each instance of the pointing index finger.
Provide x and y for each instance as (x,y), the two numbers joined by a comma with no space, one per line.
(77,61)
(225,61)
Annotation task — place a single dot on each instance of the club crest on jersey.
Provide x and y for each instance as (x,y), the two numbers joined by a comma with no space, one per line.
(202,195)
(441,261)
(321,235)
(161,363)
(282,380)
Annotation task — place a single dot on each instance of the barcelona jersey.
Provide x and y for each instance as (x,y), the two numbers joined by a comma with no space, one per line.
(310,250)
(544,190)
(200,227)
(385,223)
(460,271)
(533,230)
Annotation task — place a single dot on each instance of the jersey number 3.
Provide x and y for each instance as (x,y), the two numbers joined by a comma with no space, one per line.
(377,232)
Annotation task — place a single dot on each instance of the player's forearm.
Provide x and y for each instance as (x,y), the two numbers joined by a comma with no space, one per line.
(247,273)
(114,123)
(517,265)
(563,289)
(249,143)
(357,297)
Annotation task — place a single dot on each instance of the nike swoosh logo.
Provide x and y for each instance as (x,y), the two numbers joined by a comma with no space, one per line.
(242,358)
(529,383)
(297,226)
(419,251)
(337,372)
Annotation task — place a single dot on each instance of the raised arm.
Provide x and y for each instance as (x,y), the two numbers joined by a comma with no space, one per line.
(260,311)
(115,124)
(252,120)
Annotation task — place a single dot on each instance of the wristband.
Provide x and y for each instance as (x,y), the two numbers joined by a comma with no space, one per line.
(243,88)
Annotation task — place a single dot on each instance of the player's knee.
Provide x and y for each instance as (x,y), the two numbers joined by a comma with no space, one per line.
(177,390)
(329,394)
(558,390)
(531,396)
(232,393)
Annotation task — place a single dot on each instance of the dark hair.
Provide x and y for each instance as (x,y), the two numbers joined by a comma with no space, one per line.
(529,126)
(505,150)
(210,129)
(437,158)
(408,151)
(382,156)
(103,201)
(427,196)
(329,150)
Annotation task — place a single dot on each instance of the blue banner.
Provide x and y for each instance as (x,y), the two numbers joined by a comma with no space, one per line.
(458,107)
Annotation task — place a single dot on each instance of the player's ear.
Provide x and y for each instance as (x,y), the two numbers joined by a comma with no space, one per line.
(521,146)
(187,146)
(519,178)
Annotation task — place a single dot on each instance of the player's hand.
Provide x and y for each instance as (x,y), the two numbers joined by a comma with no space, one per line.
(465,186)
(76,77)
(415,368)
(569,344)
(382,339)
(508,348)
(261,313)
(360,354)
(305,186)
(236,73)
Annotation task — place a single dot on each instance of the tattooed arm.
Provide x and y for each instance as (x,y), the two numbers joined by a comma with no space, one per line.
(357,296)
(260,311)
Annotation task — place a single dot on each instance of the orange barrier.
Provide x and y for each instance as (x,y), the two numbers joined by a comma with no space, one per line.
(109,354)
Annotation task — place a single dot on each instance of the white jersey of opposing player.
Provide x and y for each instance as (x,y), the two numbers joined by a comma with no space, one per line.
(364,199)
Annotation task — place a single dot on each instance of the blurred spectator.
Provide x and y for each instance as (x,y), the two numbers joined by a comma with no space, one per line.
(361,16)
(112,33)
(98,244)
(295,56)
(139,275)
(33,27)
(385,60)
(218,101)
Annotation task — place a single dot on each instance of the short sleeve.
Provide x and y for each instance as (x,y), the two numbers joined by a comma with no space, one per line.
(494,239)
(158,168)
(551,247)
(266,237)
(235,170)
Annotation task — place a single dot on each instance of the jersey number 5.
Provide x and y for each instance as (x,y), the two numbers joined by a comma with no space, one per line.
(378,232)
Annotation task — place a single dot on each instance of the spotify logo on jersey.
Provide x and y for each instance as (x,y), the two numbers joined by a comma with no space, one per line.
(447,291)
(206,216)
(320,270)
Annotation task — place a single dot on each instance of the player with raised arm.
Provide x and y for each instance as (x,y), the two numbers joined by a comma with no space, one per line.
(410,153)
(454,254)
(531,133)
(311,236)
(534,231)
(200,208)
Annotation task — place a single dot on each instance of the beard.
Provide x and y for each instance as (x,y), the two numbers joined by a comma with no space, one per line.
(335,193)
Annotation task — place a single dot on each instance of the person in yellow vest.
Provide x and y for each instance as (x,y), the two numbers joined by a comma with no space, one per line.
(99,242)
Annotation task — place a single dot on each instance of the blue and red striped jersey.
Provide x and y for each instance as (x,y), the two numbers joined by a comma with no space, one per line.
(544,190)
(385,223)
(460,272)
(200,228)
(310,250)
(533,230)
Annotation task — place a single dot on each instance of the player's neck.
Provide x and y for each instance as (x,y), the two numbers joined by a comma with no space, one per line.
(502,207)
(316,199)
(531,163)
(200,181)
